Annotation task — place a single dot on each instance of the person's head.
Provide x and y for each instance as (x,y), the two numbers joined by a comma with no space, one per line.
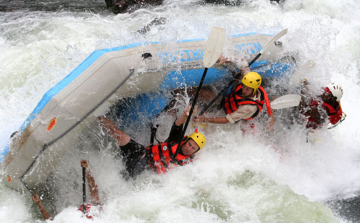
(251,82)
(194,143)
(332,92)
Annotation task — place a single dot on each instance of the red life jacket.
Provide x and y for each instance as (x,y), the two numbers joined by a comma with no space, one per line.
(335,114)
(235,99)
(87,210)
(161,156)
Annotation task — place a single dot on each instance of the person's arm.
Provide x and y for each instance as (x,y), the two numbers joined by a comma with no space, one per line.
(215,120)
(183,116)
(44,213)
(243,112)
(177,128)
(240,63)
(271,122)
(304,87)
(121,137)
(91,182)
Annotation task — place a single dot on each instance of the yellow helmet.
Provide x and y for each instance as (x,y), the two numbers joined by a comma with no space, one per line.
(252,80)
(198,138)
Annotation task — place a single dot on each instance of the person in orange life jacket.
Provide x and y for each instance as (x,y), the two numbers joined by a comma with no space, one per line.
(158,157)
(245,101)
(326,106)
(92,187)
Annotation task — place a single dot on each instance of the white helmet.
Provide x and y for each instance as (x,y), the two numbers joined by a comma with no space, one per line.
(336,90)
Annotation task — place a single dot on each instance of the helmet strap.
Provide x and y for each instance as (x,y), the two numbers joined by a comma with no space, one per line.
(254,92)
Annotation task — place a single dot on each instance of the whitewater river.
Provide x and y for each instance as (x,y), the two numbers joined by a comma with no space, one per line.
(275,177)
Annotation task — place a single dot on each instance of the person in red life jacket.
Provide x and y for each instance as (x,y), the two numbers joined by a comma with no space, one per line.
(326,106)
(245,101)
(93,191)
(159,157)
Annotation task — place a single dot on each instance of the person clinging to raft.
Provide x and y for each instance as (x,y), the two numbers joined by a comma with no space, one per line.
(322,109)
(159,157)
(244,102)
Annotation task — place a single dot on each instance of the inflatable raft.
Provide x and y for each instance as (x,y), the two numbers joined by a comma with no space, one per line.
(129,72)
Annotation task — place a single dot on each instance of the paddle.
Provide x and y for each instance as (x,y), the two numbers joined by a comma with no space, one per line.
(84,189)
(213,49)
(277,36)
(286,101)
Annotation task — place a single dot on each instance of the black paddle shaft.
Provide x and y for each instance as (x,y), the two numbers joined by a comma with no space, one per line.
(191,110)
(84,189)
(229,84)
(26,186)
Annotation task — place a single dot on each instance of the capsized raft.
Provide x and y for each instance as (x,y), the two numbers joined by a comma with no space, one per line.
(107,76)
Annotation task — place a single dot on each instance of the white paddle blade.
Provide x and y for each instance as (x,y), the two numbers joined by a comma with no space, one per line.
(286,101)
(214,46)
(276,37)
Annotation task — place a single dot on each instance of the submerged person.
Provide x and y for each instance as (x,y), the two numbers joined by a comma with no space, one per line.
(323,109)
(245,101)
(93,191)
(158,157)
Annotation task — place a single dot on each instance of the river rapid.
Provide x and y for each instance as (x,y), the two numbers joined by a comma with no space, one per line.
(272,177)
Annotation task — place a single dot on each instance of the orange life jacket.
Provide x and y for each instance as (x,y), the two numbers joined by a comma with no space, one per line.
(161,156)
(235,99)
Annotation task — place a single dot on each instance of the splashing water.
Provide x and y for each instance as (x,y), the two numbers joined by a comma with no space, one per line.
(265,177)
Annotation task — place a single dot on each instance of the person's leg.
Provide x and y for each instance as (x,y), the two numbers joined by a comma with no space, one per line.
(135,152)
(140,166)
(91,183)
(131,151)
(121,137)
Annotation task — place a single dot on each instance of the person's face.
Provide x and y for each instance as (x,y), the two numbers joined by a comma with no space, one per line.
(326,96)
(247,91)
(189,148)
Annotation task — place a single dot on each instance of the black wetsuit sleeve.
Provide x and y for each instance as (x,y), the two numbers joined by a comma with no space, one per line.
(175,133)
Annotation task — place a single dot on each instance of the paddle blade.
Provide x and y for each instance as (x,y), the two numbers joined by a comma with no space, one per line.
(286,101)
(276,37)
(214,46)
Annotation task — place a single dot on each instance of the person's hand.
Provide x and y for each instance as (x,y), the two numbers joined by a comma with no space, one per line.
(85,164)
(188,108)
(223,60)
(36,199)
(199,118)
(242,64)
(304,82)
(270,125)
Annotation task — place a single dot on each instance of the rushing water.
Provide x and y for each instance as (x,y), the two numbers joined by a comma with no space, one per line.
(253,178)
